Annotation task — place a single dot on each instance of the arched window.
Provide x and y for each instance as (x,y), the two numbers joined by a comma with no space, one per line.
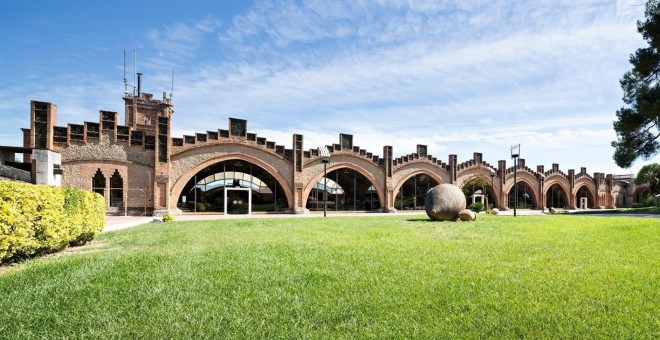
(555,197)
(412,194)
(116,190)
(345,189)
(584,192)
(206,190)
(98,183)
(526,197)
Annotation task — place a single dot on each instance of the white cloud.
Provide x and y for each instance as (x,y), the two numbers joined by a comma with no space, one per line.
(459,76)
(179,43)
(535,76)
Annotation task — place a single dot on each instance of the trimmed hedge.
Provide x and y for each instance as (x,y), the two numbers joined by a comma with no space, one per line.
(39,219)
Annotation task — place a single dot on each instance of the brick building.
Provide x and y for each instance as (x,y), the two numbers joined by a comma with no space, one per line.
(140,168)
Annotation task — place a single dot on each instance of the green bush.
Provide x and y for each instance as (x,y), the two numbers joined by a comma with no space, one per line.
(36,219)
(636,205)
(648,201)
(167,217)
(476,206)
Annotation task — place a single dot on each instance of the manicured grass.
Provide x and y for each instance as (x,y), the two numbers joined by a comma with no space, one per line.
(342,277)
(645,210)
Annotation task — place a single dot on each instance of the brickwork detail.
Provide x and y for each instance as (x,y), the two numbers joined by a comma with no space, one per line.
(338,160)
(404,172)
(101,151)
(181,163)
(154,165)
(315,169)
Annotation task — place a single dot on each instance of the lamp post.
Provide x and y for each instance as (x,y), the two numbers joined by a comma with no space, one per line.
(542,193)
(325,158)
(515,153)
(492,183)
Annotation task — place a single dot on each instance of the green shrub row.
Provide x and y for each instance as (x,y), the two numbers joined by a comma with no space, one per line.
(648,201)
(38,219)
(476,206)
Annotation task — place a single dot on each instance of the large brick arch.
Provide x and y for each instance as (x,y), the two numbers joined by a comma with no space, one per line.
(535,191)
(314,172)
(561,181)
(525,176)
(522,176)
(467,174)
(402,174)
(591,189)
(188,163)
(464,179)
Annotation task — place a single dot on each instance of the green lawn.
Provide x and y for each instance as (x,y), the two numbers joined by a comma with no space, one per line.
(644,210)
(342,277)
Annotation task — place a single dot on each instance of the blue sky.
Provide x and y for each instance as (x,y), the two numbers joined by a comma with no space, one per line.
(458,76)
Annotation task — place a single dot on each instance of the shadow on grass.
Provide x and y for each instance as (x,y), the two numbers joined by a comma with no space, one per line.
(421,220)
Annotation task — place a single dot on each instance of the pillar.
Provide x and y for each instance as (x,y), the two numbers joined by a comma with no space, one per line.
(298,180)
(388,185)
(571,183)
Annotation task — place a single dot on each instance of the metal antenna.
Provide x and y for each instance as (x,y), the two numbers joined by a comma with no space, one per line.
(134,68)
(125,81)
(172,90)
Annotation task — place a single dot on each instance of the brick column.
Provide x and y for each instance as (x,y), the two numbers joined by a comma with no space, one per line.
(571,182)
(453,163)
(298,180)
(501,173)
(43,118)
(541,176)
(610,203)
(388,186)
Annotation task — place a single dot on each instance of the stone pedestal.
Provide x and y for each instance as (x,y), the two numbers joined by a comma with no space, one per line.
(297,211)
(161,212)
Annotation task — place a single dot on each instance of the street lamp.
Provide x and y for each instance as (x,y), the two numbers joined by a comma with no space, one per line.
(492,183)
(325,158)
(542,177)
(515,153)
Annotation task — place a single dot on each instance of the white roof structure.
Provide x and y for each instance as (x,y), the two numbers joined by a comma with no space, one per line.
(226,179)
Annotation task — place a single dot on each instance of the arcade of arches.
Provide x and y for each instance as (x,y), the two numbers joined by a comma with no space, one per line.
(140,167)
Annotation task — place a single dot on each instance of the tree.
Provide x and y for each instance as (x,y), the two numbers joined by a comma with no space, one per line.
(475,183)
(649,174)
(638,122)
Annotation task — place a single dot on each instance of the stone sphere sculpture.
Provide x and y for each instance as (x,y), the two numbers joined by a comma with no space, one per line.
(467,215)
(444,202)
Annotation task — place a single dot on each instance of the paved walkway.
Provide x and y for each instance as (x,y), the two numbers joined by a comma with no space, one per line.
(122,222)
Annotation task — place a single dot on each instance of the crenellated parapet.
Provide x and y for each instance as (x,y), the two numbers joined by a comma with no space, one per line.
(344,147)
(236,133)
(107,128)
(144,166)
(583,174)
(554,171)
(476,161)
(420,155)
(521,167)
